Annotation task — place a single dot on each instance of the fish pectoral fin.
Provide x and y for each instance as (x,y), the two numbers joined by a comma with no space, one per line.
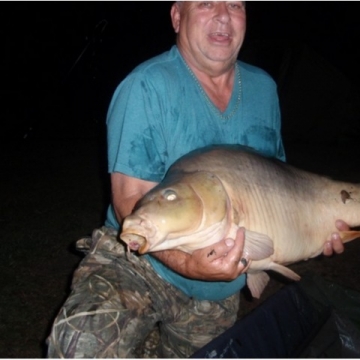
(256,282)
(283,270)
(347,236)
(257,246)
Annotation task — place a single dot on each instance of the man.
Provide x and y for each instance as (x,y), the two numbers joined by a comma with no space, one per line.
(194,95)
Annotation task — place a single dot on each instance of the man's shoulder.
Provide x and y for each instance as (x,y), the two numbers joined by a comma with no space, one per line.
(255,72)
(165,62)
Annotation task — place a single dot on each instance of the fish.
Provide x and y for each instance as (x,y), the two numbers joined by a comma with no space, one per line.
(208,194)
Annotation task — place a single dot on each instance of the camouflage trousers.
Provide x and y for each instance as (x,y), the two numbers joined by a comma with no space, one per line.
(116,301)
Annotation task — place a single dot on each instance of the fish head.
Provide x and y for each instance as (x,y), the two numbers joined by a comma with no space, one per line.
(175,211)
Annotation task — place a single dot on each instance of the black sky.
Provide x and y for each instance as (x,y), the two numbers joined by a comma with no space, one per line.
(77,45)
(41,34)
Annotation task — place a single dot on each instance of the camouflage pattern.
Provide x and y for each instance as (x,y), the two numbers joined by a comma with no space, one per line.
(116,301)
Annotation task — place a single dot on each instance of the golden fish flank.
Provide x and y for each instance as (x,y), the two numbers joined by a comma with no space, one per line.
(208,194)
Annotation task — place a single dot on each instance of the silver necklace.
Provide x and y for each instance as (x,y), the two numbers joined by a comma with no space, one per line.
(214,109)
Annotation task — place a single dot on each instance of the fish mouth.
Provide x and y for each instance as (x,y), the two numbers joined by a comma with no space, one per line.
(136,232)
(135,242)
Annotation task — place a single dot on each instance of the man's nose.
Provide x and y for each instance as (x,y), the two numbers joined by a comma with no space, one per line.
(222,12)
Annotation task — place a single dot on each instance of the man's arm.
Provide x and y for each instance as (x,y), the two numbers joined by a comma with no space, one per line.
(125,193)
(220,261)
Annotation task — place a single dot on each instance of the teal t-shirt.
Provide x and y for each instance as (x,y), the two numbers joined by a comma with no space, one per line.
(160,112)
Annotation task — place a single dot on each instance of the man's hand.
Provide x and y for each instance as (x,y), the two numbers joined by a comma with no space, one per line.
(335,244)
(219,262)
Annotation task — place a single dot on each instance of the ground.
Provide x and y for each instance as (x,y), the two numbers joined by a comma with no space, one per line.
(56,191)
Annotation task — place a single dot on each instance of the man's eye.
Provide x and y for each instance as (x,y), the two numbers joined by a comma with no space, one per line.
(205,4)
(236,5)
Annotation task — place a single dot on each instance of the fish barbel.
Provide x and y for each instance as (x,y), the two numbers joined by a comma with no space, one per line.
(208,194)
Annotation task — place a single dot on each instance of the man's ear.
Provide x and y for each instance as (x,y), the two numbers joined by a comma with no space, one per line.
(175,16)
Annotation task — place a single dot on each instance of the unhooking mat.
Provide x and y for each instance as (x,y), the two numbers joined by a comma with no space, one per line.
(313,318)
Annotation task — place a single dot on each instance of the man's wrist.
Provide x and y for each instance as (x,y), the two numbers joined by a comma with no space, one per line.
(174,259)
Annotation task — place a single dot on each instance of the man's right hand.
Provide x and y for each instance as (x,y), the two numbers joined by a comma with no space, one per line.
(221,261)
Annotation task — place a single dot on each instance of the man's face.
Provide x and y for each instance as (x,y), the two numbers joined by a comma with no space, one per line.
(210,32)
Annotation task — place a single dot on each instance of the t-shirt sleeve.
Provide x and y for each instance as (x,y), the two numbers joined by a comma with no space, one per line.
(136,146)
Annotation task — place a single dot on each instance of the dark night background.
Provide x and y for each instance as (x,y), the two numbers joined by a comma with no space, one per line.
(60,63)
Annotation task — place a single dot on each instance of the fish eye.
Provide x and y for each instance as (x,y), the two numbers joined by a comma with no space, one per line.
(170,195)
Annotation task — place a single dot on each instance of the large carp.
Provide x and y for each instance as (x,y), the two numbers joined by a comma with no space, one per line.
(208,194)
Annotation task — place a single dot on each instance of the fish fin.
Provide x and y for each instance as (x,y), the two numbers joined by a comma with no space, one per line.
(257,246)
(283,270)
(256,282)
(347,236)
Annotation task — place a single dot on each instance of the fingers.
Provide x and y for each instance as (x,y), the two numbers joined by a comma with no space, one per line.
(224,260)
(223,247)
(243,265)
(337,244)
(236,256)
(244,262)
(342,225)
(219,249)
(328,249)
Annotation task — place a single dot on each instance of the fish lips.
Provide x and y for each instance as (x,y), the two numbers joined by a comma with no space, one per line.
(136,233)
(135,241)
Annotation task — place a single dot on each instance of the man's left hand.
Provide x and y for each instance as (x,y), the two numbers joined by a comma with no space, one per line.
(335,245)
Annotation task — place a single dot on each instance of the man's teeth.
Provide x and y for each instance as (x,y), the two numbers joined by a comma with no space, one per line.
(221,34)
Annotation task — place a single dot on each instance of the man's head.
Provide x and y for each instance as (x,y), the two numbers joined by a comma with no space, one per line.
(209,34)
